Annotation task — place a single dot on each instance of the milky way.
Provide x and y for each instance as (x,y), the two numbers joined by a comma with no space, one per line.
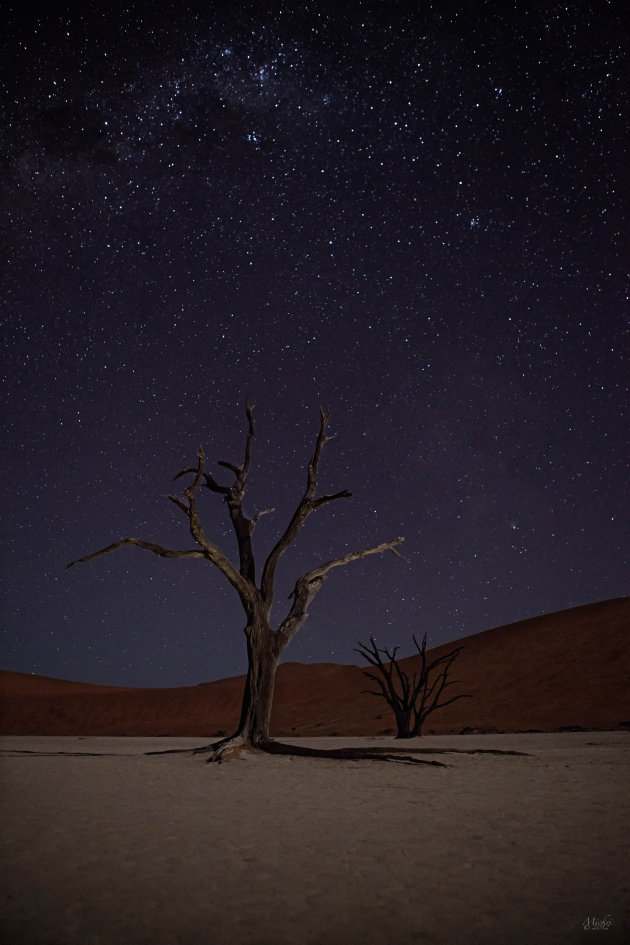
(411,215)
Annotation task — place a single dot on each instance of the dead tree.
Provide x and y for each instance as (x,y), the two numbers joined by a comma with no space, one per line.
(411,700)
(265,643)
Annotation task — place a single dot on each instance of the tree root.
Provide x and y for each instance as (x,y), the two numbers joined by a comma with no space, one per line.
(232,747)
(235,745)
(216,750)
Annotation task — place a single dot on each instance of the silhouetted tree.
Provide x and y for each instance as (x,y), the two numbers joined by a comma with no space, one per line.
(411,700)
(265,643)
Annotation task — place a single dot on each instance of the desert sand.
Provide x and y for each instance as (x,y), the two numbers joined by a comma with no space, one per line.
(104,845)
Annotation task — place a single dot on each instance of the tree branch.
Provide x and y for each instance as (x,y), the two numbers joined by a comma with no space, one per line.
(178,502)
(184,471)
(386,683)
(307,586)
(243,527)
(319,573)
(234,494)
(214,486)
(308,503)
(235,469)
(344,494)
(395,700)
(245,588)
(463,695)
(259,515)
(147,545)
(380,683)
(249,413)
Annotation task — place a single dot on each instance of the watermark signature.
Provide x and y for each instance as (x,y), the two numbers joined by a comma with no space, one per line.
(593,924)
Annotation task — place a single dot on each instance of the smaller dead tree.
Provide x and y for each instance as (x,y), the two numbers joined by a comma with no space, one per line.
(411,700)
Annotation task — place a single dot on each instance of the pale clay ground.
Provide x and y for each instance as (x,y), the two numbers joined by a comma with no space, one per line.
(125,849)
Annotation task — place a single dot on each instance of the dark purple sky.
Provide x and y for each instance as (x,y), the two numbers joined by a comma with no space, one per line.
(412,214)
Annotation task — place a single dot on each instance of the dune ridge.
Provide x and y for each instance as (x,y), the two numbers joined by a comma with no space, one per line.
(560,671)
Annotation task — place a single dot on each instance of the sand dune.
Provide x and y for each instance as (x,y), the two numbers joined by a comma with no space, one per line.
(560,671)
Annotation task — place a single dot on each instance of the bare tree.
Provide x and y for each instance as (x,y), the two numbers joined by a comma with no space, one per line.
(411,700)
(265,643)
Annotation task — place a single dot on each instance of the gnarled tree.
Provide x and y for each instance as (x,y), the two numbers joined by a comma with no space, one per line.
(265,643)
(411,700)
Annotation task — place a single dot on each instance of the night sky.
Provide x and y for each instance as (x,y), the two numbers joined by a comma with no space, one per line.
(414,215)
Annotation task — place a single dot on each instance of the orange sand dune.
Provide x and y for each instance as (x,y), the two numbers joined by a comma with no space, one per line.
(565,670)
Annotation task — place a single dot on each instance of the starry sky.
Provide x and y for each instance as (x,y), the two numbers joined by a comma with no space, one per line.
(414,215)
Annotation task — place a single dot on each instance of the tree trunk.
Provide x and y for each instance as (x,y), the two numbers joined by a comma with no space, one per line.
(403,725)
(259,685)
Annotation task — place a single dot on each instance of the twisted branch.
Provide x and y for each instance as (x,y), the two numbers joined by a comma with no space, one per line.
(147,545)
(307,586)
(209,550)
(307,504)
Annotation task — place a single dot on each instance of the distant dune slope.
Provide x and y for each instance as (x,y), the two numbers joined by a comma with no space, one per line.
(569,669)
